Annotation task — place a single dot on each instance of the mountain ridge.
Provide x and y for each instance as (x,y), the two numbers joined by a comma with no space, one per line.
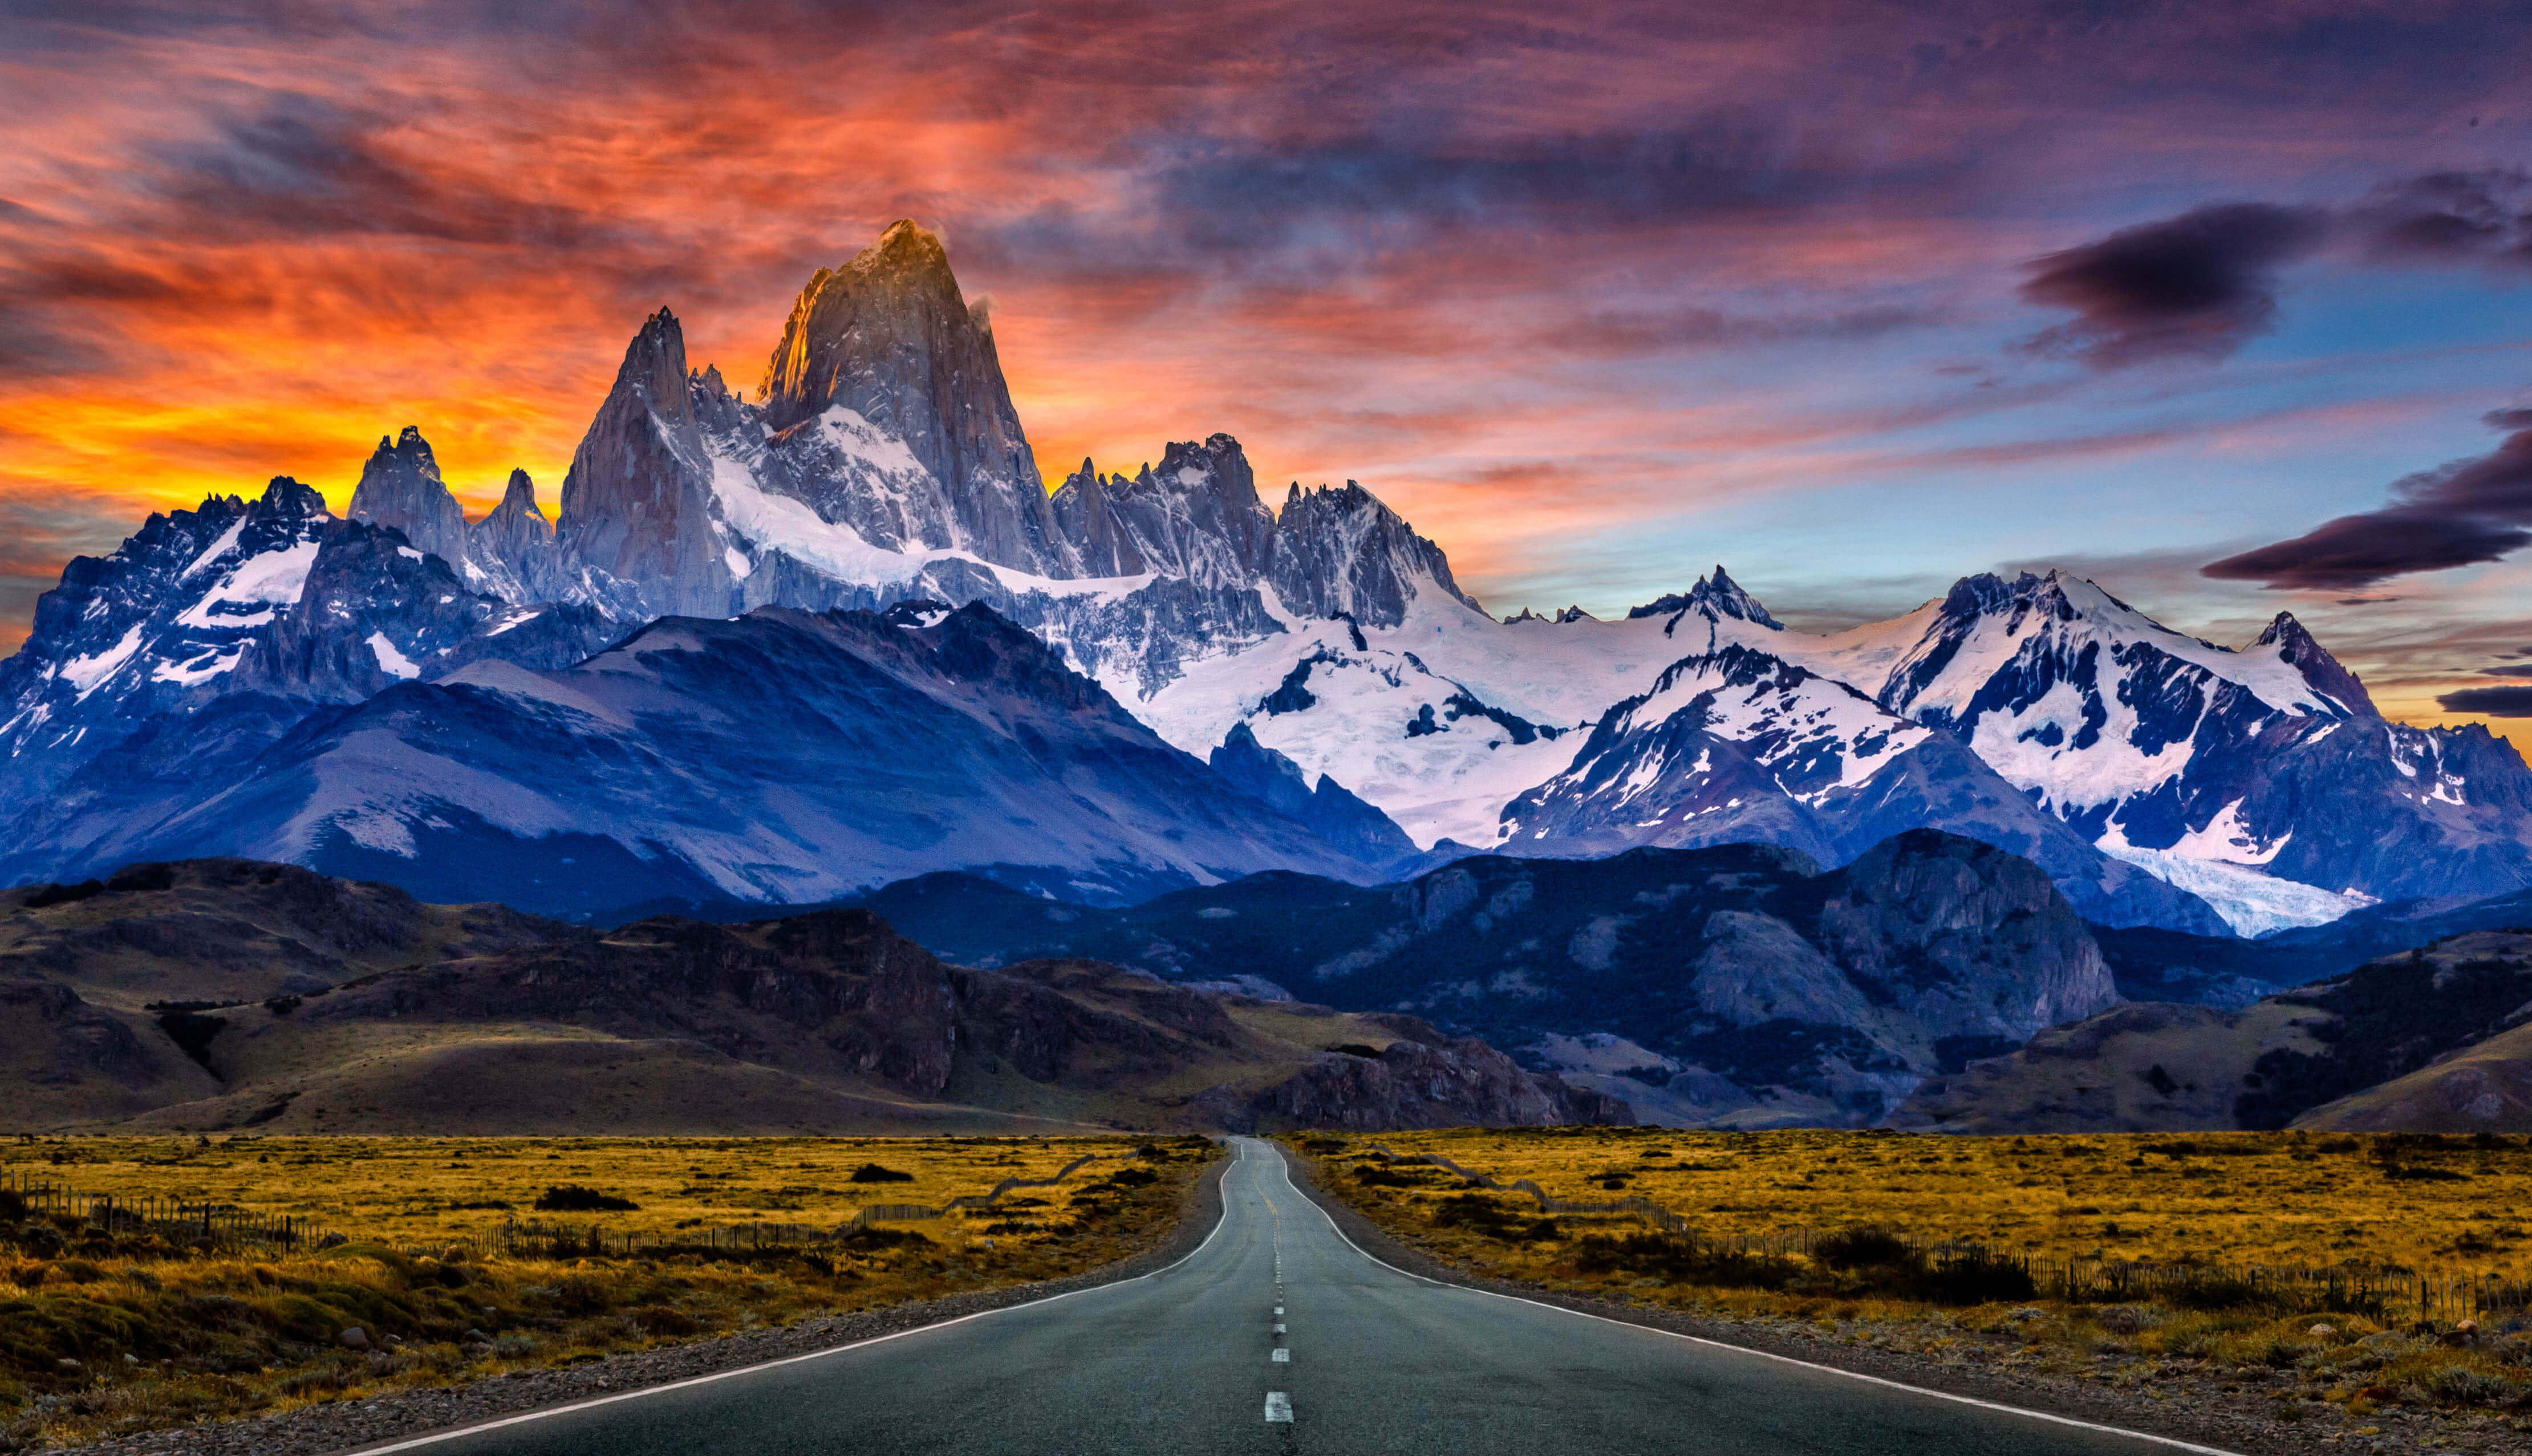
(2161,780)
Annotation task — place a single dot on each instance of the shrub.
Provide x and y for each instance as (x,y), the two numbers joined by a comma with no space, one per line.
(2459,1384)
(1977,1278)
(874,1173)
(571,1197)
(664,1319)
(1863,1248)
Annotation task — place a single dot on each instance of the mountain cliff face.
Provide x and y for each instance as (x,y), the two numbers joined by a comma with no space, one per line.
(1738,986)
(638,528)
(885,357)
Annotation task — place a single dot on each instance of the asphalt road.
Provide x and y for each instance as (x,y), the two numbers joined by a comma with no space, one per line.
(1279,1336)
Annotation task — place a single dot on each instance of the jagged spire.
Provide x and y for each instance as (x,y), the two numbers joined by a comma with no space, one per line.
(401,488)
(1715,597)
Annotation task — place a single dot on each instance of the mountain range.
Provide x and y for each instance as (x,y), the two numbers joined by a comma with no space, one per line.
(216,994)
(795,645)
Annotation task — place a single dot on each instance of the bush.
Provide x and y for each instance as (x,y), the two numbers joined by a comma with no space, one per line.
(1681,1262)
(1862,1249)
(663,1320)
(571,1197)
(2459,1384)
(874,1173)
(1977,1278)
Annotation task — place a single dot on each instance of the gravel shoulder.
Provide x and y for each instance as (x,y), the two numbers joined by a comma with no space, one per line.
(2180,1400)
(355,1426)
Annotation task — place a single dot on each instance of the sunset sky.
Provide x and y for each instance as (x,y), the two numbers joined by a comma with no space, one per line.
(1853,297)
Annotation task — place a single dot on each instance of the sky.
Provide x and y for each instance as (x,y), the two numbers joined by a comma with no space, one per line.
(2227,307)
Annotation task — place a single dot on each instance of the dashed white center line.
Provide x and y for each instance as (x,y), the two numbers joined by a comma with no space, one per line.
(1282,1357)
(1279,1309)
(1279,1406)
(1279,1329)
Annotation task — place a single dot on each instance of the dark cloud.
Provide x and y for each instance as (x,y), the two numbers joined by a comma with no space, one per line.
(2197,286)
(2459,514)
(2512,670)
(2495,703)
(2450,216)
(302,166)
(2508,419)
(1645,331)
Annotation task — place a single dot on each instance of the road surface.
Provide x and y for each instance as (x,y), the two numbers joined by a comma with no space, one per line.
(1279,1336)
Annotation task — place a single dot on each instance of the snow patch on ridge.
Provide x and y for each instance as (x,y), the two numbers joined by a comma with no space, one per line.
(253,588)
(89,673)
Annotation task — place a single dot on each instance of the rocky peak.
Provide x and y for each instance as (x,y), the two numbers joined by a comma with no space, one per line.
(889,340)
(2286,637)
(1085,514)
(283,499)
(401,488)
(1196,518)
(1341,551)
(511,549)
(1716,598)
(518,513)
(636,505)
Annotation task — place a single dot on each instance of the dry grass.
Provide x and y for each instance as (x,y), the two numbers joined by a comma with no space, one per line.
(162,1334)
(2241,1199)
(2272,1199)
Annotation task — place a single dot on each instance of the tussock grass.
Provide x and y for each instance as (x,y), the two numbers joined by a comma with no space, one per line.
(102,1335)
(1883,1201)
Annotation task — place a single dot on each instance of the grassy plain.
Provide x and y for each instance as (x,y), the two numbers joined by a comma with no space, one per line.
(106,1334)
(2226,1199)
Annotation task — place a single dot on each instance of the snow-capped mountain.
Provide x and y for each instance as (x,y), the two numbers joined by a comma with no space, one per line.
(1316,649)
(783,756)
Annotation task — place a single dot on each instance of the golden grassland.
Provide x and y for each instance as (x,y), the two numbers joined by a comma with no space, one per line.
(104,1333)
(2266,1199)
(2229,1199)
(409,1190)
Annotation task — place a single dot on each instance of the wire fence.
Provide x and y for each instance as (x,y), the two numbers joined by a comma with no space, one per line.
(2445,1294)
(231,1228)
(178,1219)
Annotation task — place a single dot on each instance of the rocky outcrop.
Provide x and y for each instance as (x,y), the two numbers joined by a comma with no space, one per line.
(1809,996)
(2425,1040)
(1423,1081)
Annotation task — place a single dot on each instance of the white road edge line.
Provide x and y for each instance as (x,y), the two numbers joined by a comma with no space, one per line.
(524,1416)
(2176,1443)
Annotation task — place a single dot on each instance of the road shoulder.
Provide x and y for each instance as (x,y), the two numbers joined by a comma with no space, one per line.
(405,1415)
(2191,1408)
